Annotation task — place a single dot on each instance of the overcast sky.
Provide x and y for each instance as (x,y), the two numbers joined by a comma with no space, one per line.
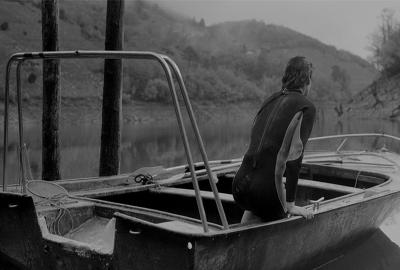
(344,24)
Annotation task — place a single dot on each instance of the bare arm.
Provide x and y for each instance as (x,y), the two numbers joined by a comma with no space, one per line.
(291,148)
(294,161)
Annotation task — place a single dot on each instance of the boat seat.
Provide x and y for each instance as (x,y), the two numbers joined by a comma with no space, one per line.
(328,186)
(228,198)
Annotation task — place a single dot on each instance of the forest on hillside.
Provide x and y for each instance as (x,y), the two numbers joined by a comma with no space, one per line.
(226,62)
(383,93)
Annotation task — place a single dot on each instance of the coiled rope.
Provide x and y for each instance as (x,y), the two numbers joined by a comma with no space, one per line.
(46,193)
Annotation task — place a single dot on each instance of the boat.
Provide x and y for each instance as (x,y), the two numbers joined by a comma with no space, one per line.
(185,217)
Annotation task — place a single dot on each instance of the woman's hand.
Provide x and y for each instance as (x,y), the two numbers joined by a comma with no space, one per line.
(299,211)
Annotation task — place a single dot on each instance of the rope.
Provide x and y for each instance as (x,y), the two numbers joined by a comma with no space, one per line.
(27,162)
(144,178)
(358,174)
(56,201)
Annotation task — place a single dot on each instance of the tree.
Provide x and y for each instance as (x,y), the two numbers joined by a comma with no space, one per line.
(391,55)
(156,90)
(383,41)
(51,93)
(112,92)
(202,23)
(190,54)
(342,78)
(261,65)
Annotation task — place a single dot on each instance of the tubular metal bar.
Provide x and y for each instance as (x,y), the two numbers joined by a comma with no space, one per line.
(5,142)
(214,188)
(187,148)
(20,127)
(355,135)
(341,145)
(87,54)
(394,164)
(108,55)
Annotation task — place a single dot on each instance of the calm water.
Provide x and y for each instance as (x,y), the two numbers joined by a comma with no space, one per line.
(160,144)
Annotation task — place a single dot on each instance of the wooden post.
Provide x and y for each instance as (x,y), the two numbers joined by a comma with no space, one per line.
(112,97)
(51,93)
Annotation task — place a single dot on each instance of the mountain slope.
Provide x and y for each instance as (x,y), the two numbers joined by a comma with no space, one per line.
(380,97)
(232,61)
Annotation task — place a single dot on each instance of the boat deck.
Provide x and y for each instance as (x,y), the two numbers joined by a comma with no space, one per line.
(97,230)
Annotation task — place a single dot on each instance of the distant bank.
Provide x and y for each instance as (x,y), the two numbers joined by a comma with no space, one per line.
(77,111)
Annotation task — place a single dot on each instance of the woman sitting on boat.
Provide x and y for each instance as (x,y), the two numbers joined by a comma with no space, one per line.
(280,131)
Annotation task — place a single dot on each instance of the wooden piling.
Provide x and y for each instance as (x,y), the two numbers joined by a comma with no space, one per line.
(112,96)
(51,93)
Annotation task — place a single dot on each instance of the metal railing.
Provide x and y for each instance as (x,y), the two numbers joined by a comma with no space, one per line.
(384,135)
(166,64)
(345,137)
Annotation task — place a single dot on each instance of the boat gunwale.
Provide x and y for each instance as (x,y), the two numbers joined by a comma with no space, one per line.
(241,228)
(333,201)
(382,193)
(140,187)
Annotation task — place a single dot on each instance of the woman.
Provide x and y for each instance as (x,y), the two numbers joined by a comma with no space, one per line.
(254,186)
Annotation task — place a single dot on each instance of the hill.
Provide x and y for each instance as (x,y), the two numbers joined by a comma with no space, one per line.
(226,62)
(380,97)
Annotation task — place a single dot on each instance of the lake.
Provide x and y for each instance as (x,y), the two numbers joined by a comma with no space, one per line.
(160,144)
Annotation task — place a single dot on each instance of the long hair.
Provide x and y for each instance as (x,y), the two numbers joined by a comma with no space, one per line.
(297,73)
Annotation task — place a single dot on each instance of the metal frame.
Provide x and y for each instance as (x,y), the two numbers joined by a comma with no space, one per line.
(346,136)
(166,63)
(355,135)
(352,154)
(337,153)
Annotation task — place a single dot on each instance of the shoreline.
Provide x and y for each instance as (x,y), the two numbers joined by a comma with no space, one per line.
(88,111)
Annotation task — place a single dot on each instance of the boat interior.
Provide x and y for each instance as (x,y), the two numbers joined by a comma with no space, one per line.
(90,222)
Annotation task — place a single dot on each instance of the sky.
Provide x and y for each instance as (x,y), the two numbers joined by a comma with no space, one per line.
(346,25)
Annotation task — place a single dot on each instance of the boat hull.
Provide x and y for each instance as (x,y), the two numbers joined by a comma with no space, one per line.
(23,246)
(292,244)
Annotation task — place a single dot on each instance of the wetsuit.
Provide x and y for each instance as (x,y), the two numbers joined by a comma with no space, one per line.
(254,185)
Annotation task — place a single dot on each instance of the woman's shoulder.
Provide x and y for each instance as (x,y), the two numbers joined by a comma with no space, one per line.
(299,97)
(309,102)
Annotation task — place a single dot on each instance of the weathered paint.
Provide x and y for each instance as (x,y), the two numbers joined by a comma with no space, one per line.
(139,242)
(294,243)
(21,241)
(23,245)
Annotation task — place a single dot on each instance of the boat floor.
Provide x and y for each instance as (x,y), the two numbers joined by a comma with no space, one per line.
(96,231)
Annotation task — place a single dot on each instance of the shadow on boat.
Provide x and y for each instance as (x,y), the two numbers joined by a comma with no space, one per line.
(374,253)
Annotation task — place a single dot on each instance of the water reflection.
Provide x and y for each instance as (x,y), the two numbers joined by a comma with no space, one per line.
(160,144)
(377,252)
